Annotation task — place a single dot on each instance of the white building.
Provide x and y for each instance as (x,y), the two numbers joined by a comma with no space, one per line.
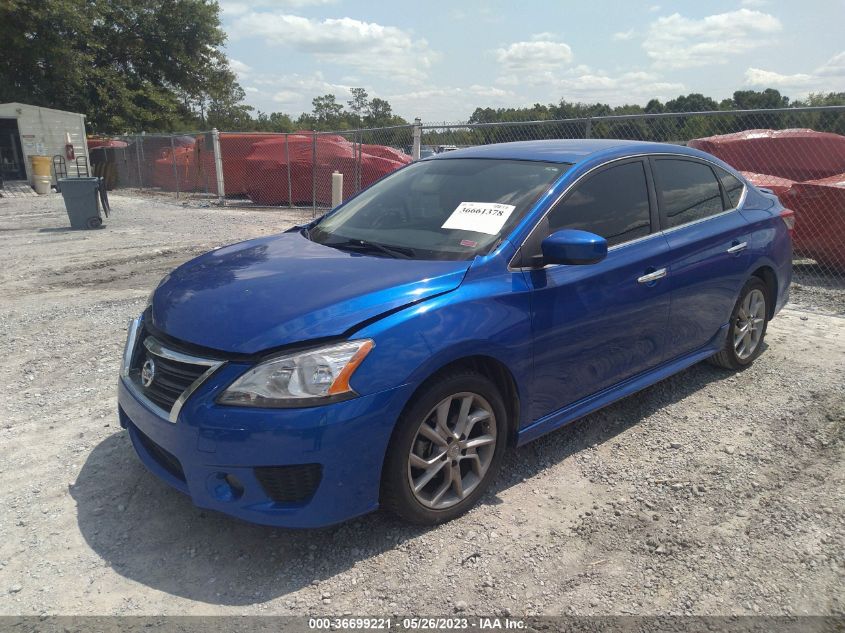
(27,130)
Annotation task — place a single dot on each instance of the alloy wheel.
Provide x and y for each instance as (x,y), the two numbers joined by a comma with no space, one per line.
(452,450)
(748,327)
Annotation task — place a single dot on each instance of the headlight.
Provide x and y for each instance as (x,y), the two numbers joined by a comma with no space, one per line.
(301,379)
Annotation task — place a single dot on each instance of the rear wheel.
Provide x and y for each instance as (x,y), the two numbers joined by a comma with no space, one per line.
(446,449)
(749,320)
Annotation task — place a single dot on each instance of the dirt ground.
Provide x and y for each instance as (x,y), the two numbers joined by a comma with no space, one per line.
(709,493)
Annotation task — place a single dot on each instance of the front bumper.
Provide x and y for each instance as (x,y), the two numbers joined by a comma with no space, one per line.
(210,442)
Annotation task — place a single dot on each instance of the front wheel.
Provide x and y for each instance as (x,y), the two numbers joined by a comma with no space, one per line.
(447,448)
(749,320)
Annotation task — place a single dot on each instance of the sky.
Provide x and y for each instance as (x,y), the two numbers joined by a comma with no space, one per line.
(439,60)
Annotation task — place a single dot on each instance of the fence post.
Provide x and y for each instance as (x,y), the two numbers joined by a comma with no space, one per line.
(337,189)
(415,152)
(138,142)
(588,131)
(175,168)
(287,162)
(218,166)
(314,173)
(356,150)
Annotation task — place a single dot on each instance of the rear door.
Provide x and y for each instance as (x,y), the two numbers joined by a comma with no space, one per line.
(708,238)
(595,325)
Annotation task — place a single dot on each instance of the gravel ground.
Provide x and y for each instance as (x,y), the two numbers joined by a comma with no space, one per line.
(709,493)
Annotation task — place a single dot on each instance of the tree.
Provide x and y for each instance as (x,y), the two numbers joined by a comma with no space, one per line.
(753,100)
(326,109)
(822,99)
(359,103)
(220,105)
(379,113)
(273,122)
(126,64)
(693,102)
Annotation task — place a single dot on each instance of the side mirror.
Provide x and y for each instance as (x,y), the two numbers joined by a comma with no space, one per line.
(575,247)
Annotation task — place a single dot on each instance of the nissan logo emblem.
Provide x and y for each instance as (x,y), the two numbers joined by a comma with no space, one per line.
(148,372)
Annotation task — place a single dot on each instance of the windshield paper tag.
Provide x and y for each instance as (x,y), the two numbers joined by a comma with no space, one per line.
(481,217)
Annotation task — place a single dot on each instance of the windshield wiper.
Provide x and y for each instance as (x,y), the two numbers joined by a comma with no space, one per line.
(374,247)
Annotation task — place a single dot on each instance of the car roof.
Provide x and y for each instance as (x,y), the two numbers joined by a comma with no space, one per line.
(568,150)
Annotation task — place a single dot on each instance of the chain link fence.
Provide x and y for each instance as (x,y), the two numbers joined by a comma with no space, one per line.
(798,153)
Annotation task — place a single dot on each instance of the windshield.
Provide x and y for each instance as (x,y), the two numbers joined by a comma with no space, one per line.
(439,209)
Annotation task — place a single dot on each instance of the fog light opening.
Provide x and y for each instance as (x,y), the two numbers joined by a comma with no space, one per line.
(226,487)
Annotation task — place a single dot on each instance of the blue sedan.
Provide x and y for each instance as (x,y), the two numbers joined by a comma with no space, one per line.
(391,352)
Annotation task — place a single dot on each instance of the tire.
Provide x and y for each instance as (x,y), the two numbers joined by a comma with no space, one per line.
(94,223)
(476,456)
(740,350)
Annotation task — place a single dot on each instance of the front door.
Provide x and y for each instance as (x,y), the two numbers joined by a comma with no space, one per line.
(596,325)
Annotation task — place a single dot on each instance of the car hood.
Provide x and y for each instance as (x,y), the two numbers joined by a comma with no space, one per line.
(273,291)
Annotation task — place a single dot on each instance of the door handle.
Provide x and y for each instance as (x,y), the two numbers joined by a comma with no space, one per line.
(660,273)
(738,247)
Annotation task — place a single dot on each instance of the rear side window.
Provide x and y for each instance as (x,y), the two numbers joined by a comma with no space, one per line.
(688,191)
(613,204)
(733,187)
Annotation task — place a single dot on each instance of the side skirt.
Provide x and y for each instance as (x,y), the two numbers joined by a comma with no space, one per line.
(588,405)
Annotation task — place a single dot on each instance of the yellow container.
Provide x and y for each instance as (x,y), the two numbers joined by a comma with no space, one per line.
(41,165)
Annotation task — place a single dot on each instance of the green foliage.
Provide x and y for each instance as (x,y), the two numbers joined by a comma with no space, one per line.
(573,119)
(358,104)
(149,65)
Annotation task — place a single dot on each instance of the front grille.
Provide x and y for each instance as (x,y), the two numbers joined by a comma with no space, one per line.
(164,459)
(173,372)
(290,484)
(171,378)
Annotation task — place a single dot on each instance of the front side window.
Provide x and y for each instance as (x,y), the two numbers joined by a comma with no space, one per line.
(613,204)
(688,191)
(439,209)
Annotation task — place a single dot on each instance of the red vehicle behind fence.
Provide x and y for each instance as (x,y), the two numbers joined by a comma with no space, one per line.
(806,169)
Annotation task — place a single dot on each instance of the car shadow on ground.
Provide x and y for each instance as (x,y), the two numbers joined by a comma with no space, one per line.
(153,535)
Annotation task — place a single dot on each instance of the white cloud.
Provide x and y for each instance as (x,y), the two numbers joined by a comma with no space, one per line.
(829,77)
(679,42)
(232,8)
(439,104)
(365,47)
(629,87)
(239,68)
(771,79)
(292,93)
(287,97)
(536,58)
(624,35)
(834,67)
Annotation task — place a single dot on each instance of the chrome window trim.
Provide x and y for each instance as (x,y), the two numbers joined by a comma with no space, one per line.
(644,237)
(155,347)
(699,221)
